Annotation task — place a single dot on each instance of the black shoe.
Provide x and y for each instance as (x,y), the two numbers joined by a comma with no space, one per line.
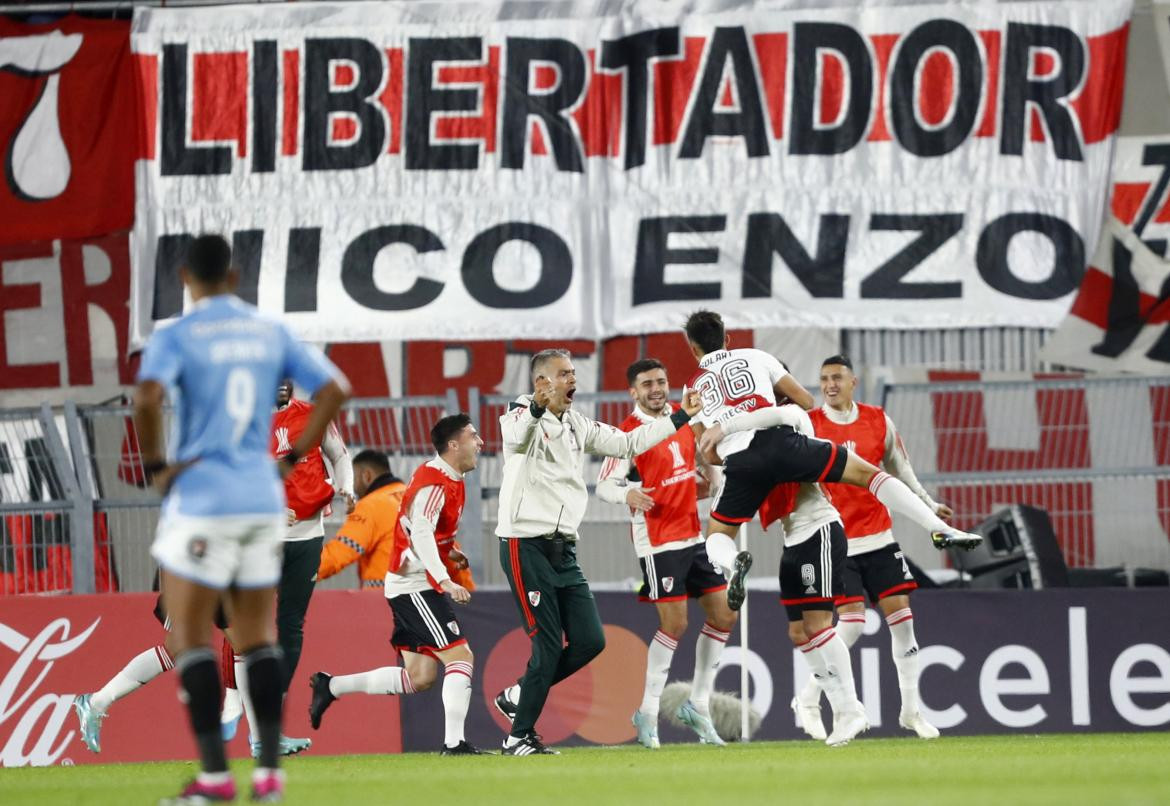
(322,698)
(505,706)
(736,586)
(463,749)
(530,745)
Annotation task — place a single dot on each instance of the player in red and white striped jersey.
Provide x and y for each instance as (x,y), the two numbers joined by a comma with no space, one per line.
(876,565)
(661,487)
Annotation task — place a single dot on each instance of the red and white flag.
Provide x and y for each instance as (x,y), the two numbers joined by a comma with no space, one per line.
(1118,322)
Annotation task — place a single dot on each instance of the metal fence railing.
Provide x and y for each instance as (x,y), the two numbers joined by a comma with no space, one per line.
(1093,452)
(76,514)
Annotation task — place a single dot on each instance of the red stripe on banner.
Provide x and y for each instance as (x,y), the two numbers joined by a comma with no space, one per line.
(481,127)
(1163,215)
(936,93)
(1127,200)
(391,99)
(1092,302)
(673,81)
(772,57)
(146,69)
(599,116)
(290,120)
(219,99)
(832,87)
(883,46)
(991,46)
(536,142)
(1098,105)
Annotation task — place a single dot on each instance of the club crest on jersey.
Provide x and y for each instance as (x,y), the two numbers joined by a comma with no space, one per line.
(667,583)
(850,445)
(453,626)
(534,597)
(282,443)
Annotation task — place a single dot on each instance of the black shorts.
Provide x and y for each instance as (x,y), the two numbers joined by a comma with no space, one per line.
(424,623)
(775,456)
(672,576)
(812,573)
(221,620)
(879,573)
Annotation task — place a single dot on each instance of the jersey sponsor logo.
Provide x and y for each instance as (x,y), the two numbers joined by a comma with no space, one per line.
(534,598)
(668,584)
(50,712)
(453,626)
(282,443)
(808,575)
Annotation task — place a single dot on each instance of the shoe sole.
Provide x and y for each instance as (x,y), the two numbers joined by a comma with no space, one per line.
(316,722)
(81,728)
(807,732)
(736,591)
(685,718)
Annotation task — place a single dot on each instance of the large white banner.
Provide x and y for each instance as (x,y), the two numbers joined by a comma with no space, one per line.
(465,170)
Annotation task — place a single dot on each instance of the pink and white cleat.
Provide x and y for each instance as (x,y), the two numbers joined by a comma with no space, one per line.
(197,793)
(268,786)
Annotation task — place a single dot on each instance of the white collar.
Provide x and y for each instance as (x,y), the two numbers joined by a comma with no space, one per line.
(439,463)
(842,417)
(649,418)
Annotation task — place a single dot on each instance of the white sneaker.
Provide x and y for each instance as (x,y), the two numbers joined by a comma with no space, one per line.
(846,727)
(917,723)
(810,719)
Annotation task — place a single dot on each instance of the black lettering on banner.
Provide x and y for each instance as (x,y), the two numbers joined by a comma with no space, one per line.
(1125,320)
(806,136)
(1046,93)
(322,103)
(556,266)
(653,255)
(247,251)
(822,274)
(264,95)
(708,121)
(1068,266)
(934,230)
(300,276)
(1154,154)
(968,88)
(633,53)
(548,106)
(179,159)
(424,99)
(357,268)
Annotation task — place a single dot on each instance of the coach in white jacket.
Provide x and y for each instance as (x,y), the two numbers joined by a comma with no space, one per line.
(542,502)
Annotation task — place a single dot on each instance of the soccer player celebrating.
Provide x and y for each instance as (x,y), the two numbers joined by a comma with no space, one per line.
(223,511)
(542,501)
(423,561)
(661,487)
(875,564)
(735,427)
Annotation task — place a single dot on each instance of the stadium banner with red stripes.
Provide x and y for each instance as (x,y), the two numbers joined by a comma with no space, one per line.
(472,171)
(992,662)
(1120,319)
(68,126)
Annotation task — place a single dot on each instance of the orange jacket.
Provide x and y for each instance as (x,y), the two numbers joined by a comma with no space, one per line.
(367,536)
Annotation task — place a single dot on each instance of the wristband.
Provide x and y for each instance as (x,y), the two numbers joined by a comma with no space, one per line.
(535,410)
(680,418)
(150,468)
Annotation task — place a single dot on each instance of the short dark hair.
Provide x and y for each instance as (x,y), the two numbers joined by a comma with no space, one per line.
(839,358)
(705,328)
(537,362)
(208,258)
(642,365)
(374,459)
(446,428)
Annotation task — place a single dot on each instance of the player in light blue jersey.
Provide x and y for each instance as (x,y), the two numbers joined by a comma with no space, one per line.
(223,511)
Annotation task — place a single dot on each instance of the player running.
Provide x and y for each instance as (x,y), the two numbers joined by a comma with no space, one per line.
(426,632)
(223,511)
(738,392)
(876,564)
(661,487)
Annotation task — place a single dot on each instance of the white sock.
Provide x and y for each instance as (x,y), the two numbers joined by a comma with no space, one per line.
(828,657)
(387,680)
(849,628)
(721,551)
(456,698)
(904,648)
(232,705)
(143,668)
(708,650)
(898,497)
(658,660)
(245,699)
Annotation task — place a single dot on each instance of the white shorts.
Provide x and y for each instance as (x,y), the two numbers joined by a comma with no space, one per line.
(244,551)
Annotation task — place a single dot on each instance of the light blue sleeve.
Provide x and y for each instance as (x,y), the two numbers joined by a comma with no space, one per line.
(161,360)
(307,366)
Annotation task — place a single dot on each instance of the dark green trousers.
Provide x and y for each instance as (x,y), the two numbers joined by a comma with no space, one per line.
(298,577)
(559,614)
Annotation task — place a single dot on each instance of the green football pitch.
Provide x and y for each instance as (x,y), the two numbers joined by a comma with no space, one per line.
(1066,769)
